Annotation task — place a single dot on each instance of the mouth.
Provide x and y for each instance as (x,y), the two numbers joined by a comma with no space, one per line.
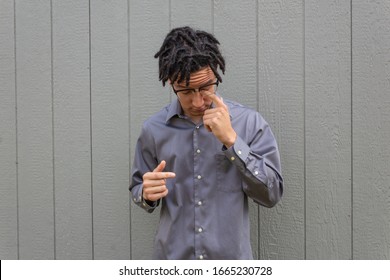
(199,110)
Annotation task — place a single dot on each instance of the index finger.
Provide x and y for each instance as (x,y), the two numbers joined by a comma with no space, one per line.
(161,175)
(217,100)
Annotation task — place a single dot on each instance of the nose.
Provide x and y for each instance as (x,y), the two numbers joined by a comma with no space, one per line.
(197,99)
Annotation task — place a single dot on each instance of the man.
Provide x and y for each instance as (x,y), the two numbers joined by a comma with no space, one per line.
(202,157)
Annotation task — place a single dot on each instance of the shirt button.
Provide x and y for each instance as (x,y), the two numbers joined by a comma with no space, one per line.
(197,127)
(199,177)
(198,151)
(200,230)
(201,257)
(232,158)
(256,172)
(239,152)
(200,203)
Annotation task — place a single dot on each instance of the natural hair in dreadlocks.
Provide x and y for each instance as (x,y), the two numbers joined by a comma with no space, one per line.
(185,51)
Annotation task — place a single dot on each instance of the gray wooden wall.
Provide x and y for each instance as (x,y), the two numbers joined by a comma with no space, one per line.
(77,79)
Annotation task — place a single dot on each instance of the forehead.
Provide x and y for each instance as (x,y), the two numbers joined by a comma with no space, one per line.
(200,77)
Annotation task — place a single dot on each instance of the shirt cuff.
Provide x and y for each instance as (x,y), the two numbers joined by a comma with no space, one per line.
(239,149)
(149,206)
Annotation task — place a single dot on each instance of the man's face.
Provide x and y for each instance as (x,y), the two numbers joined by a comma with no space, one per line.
(195,104)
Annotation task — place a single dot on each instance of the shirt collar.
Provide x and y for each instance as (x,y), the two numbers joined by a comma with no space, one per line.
(174,110)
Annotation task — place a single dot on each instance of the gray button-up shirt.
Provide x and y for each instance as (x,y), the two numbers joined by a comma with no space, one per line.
(205,214)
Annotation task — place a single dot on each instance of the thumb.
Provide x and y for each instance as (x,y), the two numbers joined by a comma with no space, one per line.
(160,167)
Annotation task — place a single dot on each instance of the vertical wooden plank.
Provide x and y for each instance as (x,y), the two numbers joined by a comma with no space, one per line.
(72,151)
(281,102)
(235,28)
(35,139)
(110,129)
(196,14)
(328,129)
(371,129)
(8,181)
(149,24)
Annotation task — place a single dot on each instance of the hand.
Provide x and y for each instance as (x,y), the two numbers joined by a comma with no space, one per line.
(153,186)
(217,121)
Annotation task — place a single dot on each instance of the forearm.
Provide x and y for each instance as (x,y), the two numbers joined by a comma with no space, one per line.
(143,163)
(261,181)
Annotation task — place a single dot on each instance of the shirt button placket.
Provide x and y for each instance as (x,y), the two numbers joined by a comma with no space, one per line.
(197,195)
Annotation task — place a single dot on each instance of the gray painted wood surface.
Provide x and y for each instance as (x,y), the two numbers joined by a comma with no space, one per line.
(78,78)
(371,129)
(328,129)
(36,216)
(110,129)
(72,133)
(8,140)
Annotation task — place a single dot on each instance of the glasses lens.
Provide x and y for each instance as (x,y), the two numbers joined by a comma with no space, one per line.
(208,89)
(187,92)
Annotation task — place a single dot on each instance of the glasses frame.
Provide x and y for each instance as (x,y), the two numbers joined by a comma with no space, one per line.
(194,90)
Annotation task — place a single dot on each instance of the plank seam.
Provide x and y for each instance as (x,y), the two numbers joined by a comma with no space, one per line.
(16,140)
(129,116)
(352,257)
(258,109)
(52,128)
(90,126)
(304,127)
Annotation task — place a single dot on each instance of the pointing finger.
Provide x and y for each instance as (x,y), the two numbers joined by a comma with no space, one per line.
(217,100)
(159,175)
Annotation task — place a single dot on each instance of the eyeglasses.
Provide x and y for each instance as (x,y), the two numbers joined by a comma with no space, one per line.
(188,92)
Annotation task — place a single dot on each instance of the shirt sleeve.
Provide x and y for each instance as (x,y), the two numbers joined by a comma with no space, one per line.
(258,162)
(144,160)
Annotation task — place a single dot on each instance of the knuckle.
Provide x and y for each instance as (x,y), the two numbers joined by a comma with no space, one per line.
(146,191)
(165,193)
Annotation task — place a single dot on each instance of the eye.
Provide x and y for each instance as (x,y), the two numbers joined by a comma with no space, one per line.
(206,88)
(187,91)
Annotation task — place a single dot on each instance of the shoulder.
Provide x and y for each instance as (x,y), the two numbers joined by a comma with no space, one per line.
(236,107)
(238,110)
(158,119)
(246,118)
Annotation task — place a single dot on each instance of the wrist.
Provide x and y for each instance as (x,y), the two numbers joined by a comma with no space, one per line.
(230,140)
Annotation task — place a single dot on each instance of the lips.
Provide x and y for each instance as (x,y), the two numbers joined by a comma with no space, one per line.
(199,110)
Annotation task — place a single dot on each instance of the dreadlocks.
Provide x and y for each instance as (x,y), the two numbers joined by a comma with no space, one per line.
(186,50)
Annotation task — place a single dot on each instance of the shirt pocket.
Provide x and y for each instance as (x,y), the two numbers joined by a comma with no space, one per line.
(228,179)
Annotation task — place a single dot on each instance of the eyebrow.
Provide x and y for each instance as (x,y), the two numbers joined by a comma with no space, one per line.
(202,85)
